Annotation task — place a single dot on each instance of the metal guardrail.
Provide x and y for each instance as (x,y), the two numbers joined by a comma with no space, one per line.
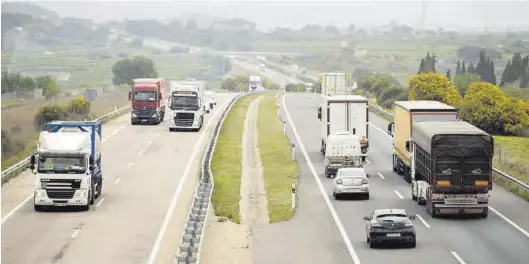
(24,164)
(194,228)
(502,176)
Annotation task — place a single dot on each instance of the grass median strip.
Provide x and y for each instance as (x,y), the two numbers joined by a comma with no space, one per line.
(279,170)
(226,163)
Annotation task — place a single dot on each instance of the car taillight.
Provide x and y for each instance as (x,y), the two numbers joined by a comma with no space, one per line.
(339,182)
(364,181)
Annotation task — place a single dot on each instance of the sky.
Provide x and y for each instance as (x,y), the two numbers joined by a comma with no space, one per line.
(492,15)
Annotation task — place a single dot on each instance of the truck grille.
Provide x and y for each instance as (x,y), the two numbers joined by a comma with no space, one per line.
(184,119)
(62,183)
(144,112)
(461,201)
(60,193)
(185,115)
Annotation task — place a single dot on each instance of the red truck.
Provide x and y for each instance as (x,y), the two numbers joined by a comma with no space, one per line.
(148,98)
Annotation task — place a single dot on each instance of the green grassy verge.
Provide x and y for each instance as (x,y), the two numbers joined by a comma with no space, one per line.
(279,170)
(510,157)
(226,163)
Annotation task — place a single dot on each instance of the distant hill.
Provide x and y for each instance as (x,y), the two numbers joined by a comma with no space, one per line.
(32,9)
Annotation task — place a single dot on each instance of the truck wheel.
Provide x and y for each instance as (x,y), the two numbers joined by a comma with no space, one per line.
(99,187)
(413,197)
(400,166)
(407,176)
(485,213)
(364,158)
(162,117)
(91,194)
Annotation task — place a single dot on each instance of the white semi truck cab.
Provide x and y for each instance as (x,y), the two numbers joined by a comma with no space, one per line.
(255,83)
(67,165)
(186,103)
(343,151)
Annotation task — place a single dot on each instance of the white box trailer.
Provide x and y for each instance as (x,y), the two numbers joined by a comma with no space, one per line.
(333,83)
(344,113)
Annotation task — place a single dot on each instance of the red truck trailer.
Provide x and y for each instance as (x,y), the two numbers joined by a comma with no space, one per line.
(148,98)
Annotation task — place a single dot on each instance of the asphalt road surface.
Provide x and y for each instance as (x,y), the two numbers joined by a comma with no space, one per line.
(143,167)
(496,239)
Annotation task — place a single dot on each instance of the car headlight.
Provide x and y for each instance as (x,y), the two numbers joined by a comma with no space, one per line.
(409,224)
(134,115)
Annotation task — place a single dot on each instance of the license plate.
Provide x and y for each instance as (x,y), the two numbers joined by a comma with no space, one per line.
(144,120)
(393,235)
(352,190)
(59,204)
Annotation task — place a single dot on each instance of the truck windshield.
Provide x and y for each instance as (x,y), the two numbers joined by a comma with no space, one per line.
(144,96)
(254,82)
(61,164)
(184,103)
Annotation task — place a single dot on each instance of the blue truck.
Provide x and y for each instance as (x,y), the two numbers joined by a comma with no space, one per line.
(68,165)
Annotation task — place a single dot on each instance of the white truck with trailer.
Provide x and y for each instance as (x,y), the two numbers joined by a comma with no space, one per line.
(186,103)
(67,165)
(345,113)
(333,83)
(343,151)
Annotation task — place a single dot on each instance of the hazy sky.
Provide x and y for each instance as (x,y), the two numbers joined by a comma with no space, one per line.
(269,14)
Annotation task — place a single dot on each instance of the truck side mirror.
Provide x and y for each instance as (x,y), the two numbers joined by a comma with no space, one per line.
(32,160)
(319,113)
(390,128)
(408,146)
(91,167)
(366,218)
(91,160)
(130,95)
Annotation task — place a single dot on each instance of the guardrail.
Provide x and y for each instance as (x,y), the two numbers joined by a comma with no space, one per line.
(194,228)
(24,164)
(503,177)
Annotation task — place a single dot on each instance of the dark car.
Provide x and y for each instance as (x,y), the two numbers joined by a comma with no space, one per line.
(390,225)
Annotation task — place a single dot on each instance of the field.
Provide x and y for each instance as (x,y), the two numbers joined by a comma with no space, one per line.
(279,170)
(511,156)
(226,163)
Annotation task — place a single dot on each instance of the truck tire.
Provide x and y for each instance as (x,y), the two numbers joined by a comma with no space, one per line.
(399,165)
(99,187)
(413,197)
(485,213)
(394,163)
(162,116)
(407,172)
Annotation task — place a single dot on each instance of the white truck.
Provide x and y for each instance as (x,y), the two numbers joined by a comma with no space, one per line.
(345,113)
(333,83)
(262,67)
(343,151)
(255,83)
(67,165)
(211,99)
(186,103)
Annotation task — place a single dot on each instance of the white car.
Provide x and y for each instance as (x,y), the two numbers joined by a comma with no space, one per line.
(350,182)
(211,99)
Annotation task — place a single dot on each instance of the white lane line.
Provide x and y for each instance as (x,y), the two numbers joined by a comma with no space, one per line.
(100,202)
(341,229)
(380,130)
(502,216)
(149,143)
(457,257)
(398,194)
(423,221)
(130,165)
(509,221)
(117,180)
(141,152)
(172,205)
(113,133)
(75,233)
(17,208)
(368,162)
(381,176)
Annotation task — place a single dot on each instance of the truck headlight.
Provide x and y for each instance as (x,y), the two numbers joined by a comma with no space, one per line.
(134,115)
(81,193)
(154,115)
(40,193)
(43,185)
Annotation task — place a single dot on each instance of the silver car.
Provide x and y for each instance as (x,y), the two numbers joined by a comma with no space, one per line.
(349,182)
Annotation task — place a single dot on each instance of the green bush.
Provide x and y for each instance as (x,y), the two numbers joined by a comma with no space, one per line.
(48,113)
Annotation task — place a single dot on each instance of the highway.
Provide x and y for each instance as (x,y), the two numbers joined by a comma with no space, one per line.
(500,238)
(149,180)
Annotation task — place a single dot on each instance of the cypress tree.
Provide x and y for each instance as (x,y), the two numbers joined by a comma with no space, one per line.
(458,68)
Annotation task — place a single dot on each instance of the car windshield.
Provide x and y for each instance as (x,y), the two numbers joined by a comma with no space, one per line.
(144,96)
(61,164)
(184,103)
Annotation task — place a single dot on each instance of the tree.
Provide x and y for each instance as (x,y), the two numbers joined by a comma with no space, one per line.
(516,70)
(486,107)
(463,69)
(48,113)
(448,74)
(458,68)
(127,69)
(427,64)
(462,82)
(48,86)
(433,86)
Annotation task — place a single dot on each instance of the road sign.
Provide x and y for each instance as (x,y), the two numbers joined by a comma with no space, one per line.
(90,95)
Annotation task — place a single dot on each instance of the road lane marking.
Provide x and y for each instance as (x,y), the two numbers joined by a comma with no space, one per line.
(398,194)
(502,216)
(141,152)
(117,180)
(509,221)
(381,176)
(100,202)
(172,205)
(380,130)
(113,133)
(341,229)
(130,165)
(423,221)
(457,257)
(75,233)
(149,143)
(368,162)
